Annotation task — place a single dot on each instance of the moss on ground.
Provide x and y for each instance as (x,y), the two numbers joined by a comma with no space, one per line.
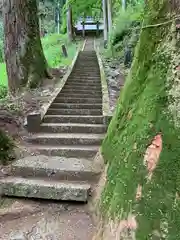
(142,112)
(6,148)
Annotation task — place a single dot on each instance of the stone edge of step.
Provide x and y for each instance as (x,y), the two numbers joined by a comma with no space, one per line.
(45,189)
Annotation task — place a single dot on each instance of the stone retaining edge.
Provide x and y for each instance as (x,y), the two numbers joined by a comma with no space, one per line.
(33,120)
(105,94)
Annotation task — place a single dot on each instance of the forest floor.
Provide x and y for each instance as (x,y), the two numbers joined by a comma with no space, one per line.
(35,220)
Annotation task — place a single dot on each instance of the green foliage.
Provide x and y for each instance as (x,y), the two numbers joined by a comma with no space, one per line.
(6,148)
(142,112)
(3,91)
(125,24)
(53,53)
(83,8)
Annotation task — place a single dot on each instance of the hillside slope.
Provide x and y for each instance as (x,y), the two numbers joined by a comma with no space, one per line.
(141,196)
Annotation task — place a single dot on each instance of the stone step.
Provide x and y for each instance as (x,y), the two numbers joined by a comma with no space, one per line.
(82,87)
(77,95)
(72,128)
(68,151)
(85,80)
(66,139)
(56,168)
(44,189)
(89,75)
(87,70)
(84,83)
(73,119)
(94,112)
(76,105)
(78,100)
(68,92)
(76,87)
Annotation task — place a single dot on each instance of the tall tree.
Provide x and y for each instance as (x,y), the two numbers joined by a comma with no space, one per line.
(109,10)
(25,61)
(124,4)
(69,23)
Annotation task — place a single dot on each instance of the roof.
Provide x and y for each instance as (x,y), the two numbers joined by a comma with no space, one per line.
(90,24)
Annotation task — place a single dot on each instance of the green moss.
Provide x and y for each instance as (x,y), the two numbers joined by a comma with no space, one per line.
(141,113)
(6,148)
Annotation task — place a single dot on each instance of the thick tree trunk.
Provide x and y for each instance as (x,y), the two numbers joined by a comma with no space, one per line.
(105,22)
(25,61)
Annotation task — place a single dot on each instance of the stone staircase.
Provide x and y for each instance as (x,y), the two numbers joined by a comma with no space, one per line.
(67,141)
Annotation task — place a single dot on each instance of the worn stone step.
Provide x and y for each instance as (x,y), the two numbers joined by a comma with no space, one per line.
(72,128)
(87,75)
(73,119)
(82,87)
(75,105)
(78,100)
(44,189)
(66,151)
(66,139)
(87,70)
(95,112)
(84,83)
(56,168)
(77,95)
(76,91)
(84,78)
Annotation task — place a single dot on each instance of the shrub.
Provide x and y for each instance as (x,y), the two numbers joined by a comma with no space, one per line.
(125,24)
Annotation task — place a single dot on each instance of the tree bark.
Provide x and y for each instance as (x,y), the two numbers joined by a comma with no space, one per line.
(109,10)
(105,22)
(69,24)
(25,62)
(142,190)
(124,4)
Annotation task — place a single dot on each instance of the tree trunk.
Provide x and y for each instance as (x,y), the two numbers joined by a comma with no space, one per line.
(109,10)
(105,22)
(25,61)
(124,4)
(69,24)
(141,196)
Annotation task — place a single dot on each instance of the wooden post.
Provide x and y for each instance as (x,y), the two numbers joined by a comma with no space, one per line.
(64,50)
(97,29)
(83,30)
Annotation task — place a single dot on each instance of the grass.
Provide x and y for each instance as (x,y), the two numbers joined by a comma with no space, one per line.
(53,53)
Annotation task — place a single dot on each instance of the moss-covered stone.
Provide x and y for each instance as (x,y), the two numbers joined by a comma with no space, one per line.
(144,111)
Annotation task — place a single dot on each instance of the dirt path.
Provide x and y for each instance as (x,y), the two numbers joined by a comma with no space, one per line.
(48,221)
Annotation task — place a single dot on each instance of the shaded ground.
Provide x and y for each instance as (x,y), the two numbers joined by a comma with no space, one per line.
(14,110)
(46,221)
